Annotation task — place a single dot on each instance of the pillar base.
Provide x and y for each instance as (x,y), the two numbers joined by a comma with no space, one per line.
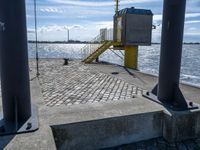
(10,128)
(180,105)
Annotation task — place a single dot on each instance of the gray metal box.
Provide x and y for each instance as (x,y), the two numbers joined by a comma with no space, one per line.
(133,26)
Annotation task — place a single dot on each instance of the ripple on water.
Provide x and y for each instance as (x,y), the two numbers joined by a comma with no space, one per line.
(148,58)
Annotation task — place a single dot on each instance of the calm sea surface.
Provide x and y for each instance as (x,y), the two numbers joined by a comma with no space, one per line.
(148,58)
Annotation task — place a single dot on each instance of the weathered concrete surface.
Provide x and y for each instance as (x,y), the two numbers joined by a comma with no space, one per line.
(159,144)
(180,126)
(75,118)
(112,124)
(41,139)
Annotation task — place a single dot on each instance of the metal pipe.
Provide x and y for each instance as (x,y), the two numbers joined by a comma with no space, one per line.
(68,34)
(14,62)
(117,7)
(171,49)
(36,39)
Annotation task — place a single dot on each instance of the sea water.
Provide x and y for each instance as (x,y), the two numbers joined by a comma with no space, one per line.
(148,58)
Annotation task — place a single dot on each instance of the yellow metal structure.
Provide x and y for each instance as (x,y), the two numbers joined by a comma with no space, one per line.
(131,57)
(106,45)
(131,52)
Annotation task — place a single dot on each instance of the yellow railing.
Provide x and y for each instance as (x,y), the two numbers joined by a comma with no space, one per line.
(95,54)
(91,47)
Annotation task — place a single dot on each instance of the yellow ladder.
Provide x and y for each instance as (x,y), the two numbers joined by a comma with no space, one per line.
(106,45)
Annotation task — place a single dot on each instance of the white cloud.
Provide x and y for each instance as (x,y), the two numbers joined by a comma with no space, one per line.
(77,32)
(98,4)
(31,31)
(55,32)
(190,15)
(192,21)
(52,10)
(103,24)
(158,17)
(53,28)
(192,33)
(191,30)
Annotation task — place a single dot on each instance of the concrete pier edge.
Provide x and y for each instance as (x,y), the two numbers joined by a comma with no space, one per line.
(123,123)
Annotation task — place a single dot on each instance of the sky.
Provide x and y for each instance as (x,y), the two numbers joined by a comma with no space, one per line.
(84,18)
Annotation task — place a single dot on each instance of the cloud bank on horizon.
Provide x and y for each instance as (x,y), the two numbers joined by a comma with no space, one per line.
(84,18)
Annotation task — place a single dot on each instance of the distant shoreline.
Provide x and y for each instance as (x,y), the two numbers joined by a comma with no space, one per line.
(60,42)
(87,42)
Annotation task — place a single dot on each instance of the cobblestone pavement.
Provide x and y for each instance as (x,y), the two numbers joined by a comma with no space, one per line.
(78,83)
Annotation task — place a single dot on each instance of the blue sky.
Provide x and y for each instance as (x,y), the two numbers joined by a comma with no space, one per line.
(84,18)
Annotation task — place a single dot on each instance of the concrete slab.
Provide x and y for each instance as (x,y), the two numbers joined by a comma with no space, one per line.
(180,126)
(108,124)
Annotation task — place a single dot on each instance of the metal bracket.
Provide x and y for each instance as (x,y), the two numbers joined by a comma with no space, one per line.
(30,125)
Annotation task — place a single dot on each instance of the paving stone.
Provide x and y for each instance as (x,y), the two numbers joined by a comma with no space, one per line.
(78,83)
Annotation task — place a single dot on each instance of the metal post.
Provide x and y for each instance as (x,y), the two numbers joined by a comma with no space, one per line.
(97,59)
(68,34)
(15,86)
(131,57)
(117,7)
(171,49)
(167,92)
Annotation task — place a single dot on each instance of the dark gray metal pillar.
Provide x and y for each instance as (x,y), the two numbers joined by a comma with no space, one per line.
(167,91)
(171,49)
(14,67)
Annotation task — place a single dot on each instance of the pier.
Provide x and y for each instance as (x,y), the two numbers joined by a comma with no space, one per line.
(96,106)
(82,105)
